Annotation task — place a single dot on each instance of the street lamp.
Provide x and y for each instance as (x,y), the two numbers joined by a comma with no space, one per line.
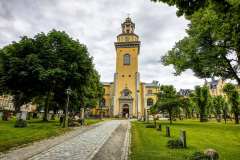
(68,92)
(101,104)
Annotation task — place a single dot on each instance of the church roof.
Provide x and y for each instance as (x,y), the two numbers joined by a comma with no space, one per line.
(106,83)
(153,84)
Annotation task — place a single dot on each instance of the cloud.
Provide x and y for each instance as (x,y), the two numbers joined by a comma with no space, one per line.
(96,24)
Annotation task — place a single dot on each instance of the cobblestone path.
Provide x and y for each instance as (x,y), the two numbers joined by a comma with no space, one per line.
(82,146)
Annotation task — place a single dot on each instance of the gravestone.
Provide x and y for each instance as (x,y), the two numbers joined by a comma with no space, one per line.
(183,138)
(18,116)
(21,119)
(49,116)
(22,115)
(167,131)
(160,127)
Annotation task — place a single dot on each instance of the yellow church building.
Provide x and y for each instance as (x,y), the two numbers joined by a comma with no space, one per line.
(127,96)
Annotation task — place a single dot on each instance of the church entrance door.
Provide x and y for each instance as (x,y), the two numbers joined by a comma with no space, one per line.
(125,111)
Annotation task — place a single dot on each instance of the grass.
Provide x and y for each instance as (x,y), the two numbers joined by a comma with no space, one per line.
(93,121)
(36,130)
(148,143)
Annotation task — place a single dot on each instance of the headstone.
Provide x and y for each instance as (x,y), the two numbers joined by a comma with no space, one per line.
(183,138)
(18,116)
(24,115)
(167,131)
(160,127)
(49,116)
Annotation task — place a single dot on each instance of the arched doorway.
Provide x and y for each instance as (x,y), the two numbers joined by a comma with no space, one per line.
(125,111)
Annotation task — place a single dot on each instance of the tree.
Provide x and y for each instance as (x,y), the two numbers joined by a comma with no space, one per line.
(45,66)
(212,47)
(168,100)
(219,105)
(233,98)
(187,106)
(201,99)
(19,71)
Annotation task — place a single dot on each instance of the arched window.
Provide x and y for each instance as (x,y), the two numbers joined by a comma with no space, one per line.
(126,59)
(149,102)
(126,92)
(103,103)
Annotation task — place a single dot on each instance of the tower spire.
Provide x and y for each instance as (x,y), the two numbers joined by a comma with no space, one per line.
(128,26)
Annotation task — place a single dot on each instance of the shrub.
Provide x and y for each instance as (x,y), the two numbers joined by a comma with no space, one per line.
(21,123)
(174,143)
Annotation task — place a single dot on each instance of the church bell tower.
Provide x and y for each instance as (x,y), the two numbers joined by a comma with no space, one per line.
(126,78)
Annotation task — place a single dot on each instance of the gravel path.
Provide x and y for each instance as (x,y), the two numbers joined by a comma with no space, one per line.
(82,144)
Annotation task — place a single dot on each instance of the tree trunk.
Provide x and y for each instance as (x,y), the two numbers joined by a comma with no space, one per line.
(155,122)
(46,108)
(170,116)
(225,119)
(203,118)
(236,118)
(218,117)
(225,116)
(82,116)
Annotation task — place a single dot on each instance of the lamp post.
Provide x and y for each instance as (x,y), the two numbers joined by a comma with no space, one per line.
(101,109)
(68,92)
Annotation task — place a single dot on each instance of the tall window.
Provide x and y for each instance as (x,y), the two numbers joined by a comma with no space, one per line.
(126,59)
(126,92)
(103,103)
(149,102)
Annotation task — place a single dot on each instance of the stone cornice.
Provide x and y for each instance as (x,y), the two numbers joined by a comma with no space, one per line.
(128,45)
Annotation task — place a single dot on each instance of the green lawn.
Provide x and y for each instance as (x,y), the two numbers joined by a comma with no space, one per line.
(92,121)
(148,143)
(36,130)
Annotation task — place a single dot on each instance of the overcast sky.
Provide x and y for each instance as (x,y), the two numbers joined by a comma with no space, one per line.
(96,23)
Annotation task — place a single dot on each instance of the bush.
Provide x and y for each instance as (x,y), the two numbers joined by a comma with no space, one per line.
(174,143)
(150,126)
(21,123)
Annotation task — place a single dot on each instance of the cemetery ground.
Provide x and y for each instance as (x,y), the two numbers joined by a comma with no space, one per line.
(149,143)
(11,137)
